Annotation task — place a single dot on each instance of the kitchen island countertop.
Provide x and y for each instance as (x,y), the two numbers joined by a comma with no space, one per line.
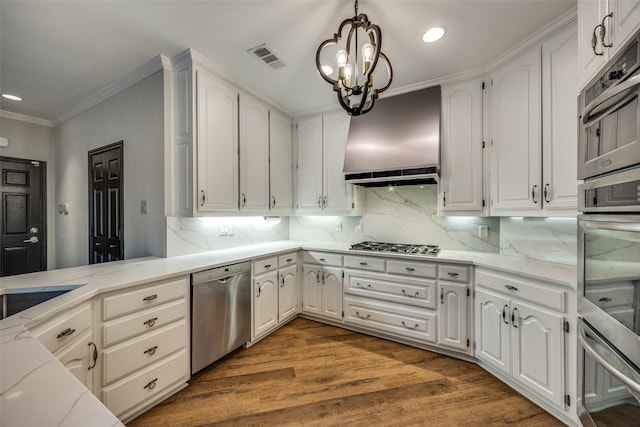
(35,389)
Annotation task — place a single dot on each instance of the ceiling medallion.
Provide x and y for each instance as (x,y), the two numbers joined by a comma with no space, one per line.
(354,86)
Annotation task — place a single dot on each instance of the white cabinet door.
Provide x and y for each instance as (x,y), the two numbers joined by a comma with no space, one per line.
(625,21)
(311,289)
(265,297)
(493,330)
(537,339)
(590,14)
(462,160)
(217,144)
(310,165)
(559,136)
(78,359)
(287,292)
(254,155)
(280,163)
(452,315)
(515,133)
(337,195)
(332,292)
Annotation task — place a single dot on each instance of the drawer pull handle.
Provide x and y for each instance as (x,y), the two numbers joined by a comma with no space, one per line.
(151,351)
(267,266)
(151,384)
(363,263)
(441,296)
(511,288)
(94,356)
(514,317)
(453,274)
(67,332)
(409,327)
(605,299)
(323,259)
(151,322)
(150,297)
(410,269)
(406,294)
(505,309)
(289,259)
(368,316)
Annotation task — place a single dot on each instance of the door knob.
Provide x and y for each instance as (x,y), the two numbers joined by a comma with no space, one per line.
(33,239)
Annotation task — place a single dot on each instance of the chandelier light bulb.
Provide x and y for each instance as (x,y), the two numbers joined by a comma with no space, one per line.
(367,57)
(348,72)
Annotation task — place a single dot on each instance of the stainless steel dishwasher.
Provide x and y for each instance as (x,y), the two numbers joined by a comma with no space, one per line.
(220,313)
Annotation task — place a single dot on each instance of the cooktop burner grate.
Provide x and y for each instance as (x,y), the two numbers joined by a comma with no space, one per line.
(415,249)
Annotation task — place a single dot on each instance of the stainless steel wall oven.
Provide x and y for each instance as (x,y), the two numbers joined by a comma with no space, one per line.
(609,244)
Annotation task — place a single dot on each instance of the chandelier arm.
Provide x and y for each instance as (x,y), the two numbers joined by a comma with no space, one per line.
(387,64)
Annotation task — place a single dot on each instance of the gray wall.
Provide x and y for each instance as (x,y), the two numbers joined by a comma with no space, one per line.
(35,142)
(136,116)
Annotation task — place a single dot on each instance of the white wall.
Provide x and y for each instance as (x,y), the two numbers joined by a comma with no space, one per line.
(35,142)
(136,116)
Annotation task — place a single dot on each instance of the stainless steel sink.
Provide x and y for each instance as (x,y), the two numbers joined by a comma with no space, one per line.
(19,299)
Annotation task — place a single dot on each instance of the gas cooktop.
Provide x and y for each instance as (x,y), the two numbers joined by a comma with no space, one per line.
(403,248)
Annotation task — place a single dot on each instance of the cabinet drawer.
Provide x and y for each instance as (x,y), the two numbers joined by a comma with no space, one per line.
(420,269)
(146,384)
(322,258)
(63,329)
(611,296)
(265,265)
(128,357)
(144,321)
(149,296)
(454,273)
(365,263)
(539,293)
(392,318)
(406,290)
(287,259)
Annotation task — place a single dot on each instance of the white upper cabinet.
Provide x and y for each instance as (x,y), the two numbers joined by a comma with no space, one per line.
(322,142)
(254,155)
(223,141)
(559,115)
(217,144)
(603,28)
(462,148)
(515,133)
(533,131)
(281,163)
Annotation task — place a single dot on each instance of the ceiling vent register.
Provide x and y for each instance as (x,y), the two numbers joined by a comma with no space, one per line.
(266,56)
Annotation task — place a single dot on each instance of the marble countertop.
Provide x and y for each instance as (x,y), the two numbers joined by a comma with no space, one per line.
(31,378)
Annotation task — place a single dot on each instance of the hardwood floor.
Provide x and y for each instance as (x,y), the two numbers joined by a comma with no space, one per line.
(312,374)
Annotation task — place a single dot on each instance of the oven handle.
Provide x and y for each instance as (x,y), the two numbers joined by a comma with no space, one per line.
(594,345)
(608,99)
(610,225)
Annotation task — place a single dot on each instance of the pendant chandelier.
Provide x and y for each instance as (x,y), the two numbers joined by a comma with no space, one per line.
(354,85)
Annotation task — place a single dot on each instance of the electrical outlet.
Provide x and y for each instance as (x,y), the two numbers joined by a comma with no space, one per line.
(339,226)
(359,227)
(143,207)
(226,230)
(483,231)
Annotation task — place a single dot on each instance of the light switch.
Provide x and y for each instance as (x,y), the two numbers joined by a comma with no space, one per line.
(143,207)
(483,231)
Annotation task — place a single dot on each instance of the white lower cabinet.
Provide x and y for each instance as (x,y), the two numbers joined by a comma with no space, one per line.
(322,285)
(142,337)
(275,292)
(452,316)
(69,337)
(520,332)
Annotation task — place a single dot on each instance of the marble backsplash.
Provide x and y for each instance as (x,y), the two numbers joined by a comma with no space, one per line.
(192,235)
(402,214)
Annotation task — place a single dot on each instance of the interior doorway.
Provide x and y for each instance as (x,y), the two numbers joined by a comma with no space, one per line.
(23,234)
(106,204)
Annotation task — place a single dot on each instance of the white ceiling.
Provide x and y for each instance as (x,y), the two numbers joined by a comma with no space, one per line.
(56,54)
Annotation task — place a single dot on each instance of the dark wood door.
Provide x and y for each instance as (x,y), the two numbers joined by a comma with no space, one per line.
(22,227)
(106,210)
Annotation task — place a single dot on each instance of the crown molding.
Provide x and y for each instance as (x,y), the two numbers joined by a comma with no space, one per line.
(23,118)
(152,66)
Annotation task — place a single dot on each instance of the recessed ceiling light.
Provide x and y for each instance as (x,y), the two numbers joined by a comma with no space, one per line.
(327,70)
(434,34)
(11,97)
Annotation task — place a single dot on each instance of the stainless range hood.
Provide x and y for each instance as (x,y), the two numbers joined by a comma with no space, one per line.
(397,142)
